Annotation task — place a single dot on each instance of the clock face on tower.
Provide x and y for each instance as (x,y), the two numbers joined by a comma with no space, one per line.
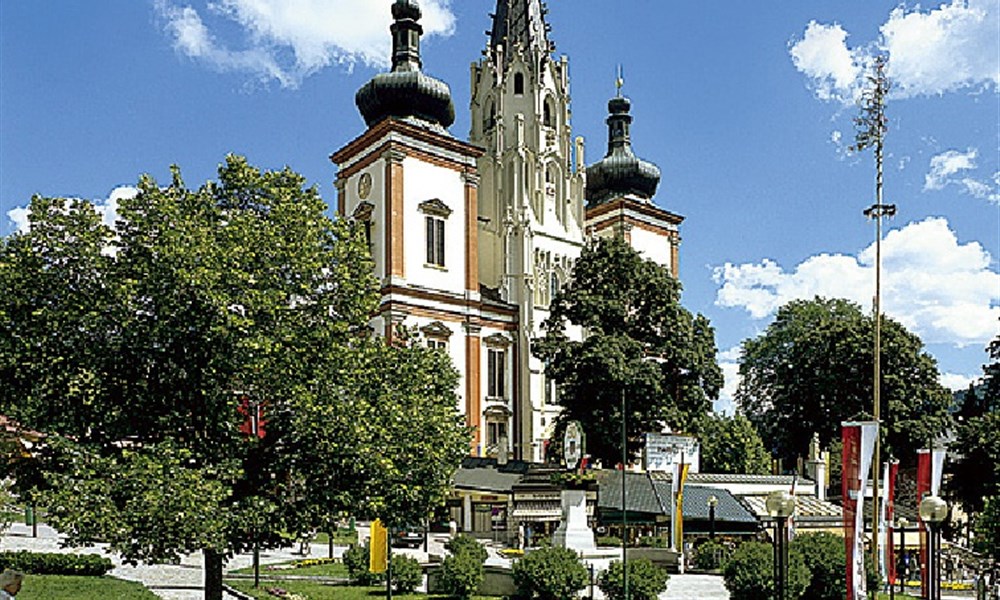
(365,185)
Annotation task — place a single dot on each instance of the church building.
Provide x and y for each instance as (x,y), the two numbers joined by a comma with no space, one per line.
(471,240)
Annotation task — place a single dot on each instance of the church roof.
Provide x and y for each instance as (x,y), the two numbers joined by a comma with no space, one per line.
(520,23)
(620,172)
(406,92)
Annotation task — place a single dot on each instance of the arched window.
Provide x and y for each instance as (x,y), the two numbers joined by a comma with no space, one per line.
(553,285)
(491,117)
(519,83)
(547,113)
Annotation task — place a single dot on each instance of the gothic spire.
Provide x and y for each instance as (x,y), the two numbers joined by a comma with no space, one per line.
(520,23)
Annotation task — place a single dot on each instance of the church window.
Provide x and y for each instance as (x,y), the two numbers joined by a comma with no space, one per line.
(436,212)
(494,431)
(435,240)
(518,83)
(495,373)
(437,344)
(547,111)
(553,285)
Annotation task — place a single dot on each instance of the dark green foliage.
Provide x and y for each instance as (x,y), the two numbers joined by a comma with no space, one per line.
(212,300)
(645,581)
(976,473)
(407,574)
(462,574)
(463,543)
(731,445)
(987,527)
(710,555)
(356,559)
(812,369)
(550,574)
(630,308)
(824,554)
(51,563)
(749,573)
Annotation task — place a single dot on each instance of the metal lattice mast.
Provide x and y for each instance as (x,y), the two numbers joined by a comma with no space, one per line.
(871,127)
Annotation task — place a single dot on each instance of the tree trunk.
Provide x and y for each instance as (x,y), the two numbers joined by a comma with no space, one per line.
(213,575)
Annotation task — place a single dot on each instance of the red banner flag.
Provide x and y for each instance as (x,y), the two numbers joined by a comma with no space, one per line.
(859,445)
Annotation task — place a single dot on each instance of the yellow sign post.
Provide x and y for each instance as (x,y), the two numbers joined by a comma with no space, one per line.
(378,558)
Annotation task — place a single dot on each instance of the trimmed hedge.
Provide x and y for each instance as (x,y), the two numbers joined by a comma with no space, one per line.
(710,555)
(54,563)
(407,574)
(356,559)
(646,581)
(550,574)
(462,574)
(466,543)
(748,574)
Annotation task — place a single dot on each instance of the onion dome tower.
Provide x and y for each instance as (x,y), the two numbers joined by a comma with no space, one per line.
(620,173)
(406,92)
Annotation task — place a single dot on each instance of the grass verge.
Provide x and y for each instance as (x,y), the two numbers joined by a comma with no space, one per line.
(75,587)
(319,591)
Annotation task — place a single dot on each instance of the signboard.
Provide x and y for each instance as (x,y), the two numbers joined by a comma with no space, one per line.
(573,444)
(663,451)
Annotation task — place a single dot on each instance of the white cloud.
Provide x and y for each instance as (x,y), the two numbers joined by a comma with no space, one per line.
(956,381)
(288,40)
(951,47)
(107,208)
(948,48)
(946,165)
(728,362)
(940,289)
(822,54)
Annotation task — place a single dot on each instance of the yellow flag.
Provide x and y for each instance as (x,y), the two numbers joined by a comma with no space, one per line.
(679,537)
(378,548)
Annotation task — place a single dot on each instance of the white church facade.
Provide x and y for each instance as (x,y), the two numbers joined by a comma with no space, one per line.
(472,239)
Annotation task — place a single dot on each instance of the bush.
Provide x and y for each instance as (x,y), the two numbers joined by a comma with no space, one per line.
(550,574)
(748,574)
(466,543)
(710,555)
(461,574)
(52,563)
(407,574)
(356,559)
(645,581)
(823,554)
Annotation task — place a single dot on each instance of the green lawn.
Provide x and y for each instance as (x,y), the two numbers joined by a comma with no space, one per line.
(318,591)
(898,596)
(327,570)
(343,537)
(74,587)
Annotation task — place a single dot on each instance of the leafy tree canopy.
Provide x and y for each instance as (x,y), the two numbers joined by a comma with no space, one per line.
(976,448)
(732,445)
(146,350)
(812,369)
(639,342)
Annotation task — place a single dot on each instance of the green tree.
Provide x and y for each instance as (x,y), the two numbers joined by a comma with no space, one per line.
(749,573)
(976,472)
(549,574)
(147,351)
(640,343)
(824,555)
(731,445)
(987,527)
(646,581)
(812,369)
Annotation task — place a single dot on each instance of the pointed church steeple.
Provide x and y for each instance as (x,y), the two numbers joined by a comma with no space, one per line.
(520,23)
(406,92)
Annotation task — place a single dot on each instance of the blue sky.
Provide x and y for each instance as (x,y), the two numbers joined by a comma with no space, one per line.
(745,106)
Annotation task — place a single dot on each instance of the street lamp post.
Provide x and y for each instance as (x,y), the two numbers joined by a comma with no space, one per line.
(933,511)
(780,505)
(712,501)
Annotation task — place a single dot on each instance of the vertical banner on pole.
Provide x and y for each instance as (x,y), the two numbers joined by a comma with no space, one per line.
(888,512)
(378,557)
(930,467)
(859,445)
(682,473)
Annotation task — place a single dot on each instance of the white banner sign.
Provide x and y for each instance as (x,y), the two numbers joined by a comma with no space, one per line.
(663,452)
